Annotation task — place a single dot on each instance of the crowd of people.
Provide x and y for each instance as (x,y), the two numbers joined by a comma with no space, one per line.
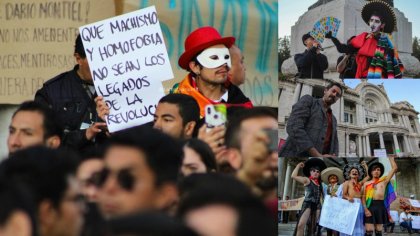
(366,186)
(66,174)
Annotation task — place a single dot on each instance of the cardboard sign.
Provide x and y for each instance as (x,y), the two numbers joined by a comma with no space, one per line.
(37,41)
(128,62)
(291,205)
(339,214)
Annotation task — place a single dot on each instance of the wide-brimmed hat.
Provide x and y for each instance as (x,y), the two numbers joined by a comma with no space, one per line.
(348,167)
(313,162)
(200,39)
(383,9)
(325,174)
(305,37)
(380,165)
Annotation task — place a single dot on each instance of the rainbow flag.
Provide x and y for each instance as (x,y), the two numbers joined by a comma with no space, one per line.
(390,194)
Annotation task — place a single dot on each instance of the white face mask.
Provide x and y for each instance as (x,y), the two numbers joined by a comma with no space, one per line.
(214,57)
(375,24)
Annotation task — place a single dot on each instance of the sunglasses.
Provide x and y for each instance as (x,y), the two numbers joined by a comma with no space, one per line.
(125,179)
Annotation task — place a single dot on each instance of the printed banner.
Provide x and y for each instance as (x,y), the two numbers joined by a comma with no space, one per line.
(291,205)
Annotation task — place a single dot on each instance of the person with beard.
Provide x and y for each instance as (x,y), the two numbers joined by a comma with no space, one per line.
(311,206)
(378,194)
(352,187)
(312,127)
(248,154)
(332,177)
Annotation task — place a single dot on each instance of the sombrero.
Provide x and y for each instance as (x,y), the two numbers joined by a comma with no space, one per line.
(383,9)
(313,162)
(200,39)
(380,165)
(347,168)
(325,174)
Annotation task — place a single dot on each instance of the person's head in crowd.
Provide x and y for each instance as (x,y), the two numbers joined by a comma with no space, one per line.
(17,214)
(141,169)
(48,174)
(308,40)
(222,206)
(149,223)
(207,55)
(377,22)
(177,115)
(332,92)
(91,163)
(198,158)
(33,124)
(237,72)
(79,54)
(242,125)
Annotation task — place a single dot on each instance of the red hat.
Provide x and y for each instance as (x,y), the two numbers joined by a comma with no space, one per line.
(200,39)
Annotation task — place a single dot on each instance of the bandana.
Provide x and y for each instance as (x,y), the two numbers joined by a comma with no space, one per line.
(356,186)
(214,57)
(315,180)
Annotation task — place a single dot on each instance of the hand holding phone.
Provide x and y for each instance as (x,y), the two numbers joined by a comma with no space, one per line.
(215,115)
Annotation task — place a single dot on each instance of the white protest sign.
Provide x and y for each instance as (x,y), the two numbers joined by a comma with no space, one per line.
(339,214)
(416,222)
(394,215)
(128,61)
(381,153)
(414,203)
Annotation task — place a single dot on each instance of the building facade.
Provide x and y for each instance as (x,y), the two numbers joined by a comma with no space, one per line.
(367,120)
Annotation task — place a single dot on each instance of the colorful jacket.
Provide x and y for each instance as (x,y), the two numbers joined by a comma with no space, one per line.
(189,87)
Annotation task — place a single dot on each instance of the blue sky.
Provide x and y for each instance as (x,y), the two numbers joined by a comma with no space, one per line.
(290,10)
(397,89)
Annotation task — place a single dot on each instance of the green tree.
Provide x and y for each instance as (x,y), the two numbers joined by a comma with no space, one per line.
(416,48)
(284,50)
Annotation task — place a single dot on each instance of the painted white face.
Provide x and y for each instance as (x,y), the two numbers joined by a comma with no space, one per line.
(214,57)
(375,24)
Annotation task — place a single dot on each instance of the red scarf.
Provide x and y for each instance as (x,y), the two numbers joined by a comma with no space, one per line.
(356,186)
(315,180)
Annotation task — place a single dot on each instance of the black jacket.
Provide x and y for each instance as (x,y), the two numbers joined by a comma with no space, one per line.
(73,106)
(310,64)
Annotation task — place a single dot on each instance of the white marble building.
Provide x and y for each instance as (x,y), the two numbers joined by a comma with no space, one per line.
(367,120)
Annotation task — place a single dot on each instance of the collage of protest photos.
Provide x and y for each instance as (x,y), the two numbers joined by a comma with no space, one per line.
(348,116)
(138,117)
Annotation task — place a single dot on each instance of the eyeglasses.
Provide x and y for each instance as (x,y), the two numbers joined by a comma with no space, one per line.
(124,178)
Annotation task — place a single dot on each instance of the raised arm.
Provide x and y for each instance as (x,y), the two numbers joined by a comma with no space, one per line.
(301,179)
(393,170)
(366,178)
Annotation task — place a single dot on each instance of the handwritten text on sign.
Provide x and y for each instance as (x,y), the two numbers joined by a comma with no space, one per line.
(339,214)
(128,61)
